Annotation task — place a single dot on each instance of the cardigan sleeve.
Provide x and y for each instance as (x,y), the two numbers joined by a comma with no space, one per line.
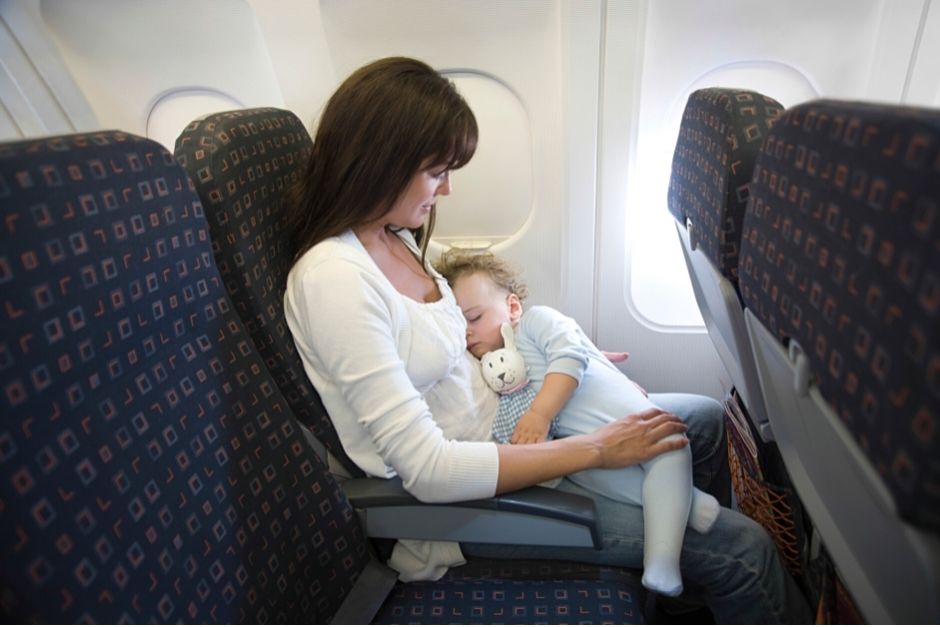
(348,326)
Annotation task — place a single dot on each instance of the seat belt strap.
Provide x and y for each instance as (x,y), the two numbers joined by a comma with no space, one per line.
(367,595)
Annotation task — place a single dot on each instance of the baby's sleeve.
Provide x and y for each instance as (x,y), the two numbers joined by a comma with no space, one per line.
(560,339)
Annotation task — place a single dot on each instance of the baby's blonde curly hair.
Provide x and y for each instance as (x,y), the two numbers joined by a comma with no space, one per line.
(456,263)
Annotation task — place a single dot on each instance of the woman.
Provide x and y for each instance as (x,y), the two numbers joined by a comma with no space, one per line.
(383,342)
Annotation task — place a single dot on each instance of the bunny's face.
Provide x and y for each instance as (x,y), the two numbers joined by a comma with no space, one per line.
(503,370)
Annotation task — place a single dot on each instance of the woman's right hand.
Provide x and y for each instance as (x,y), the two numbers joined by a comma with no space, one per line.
(631,440)
(639,437)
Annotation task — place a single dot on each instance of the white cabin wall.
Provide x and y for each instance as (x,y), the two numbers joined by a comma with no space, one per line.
(582,57)
(38,95)
(578,100)
(296,43)
(132,60)
(143,67)
(530,71)
(922,87)
(656,53)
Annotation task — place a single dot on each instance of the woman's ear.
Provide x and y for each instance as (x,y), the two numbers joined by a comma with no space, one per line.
(515,308)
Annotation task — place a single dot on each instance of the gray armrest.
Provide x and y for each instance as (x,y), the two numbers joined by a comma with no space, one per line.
(539,516)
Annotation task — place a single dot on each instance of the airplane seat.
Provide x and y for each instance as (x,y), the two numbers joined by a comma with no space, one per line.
(242,164)
(155,473)
(840,275)
(719,137)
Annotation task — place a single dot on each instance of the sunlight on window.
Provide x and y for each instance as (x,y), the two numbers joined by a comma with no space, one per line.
(660,289)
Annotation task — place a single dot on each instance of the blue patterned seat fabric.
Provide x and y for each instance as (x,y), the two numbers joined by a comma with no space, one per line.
(153,470)
(243,163)
(720,136)
(841,252)
(517,592)
(719,139)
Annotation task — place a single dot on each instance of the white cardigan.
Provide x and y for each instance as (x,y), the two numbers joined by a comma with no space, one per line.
(378,363)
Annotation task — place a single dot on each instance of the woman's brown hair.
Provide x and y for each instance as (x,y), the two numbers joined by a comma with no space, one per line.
(385,120)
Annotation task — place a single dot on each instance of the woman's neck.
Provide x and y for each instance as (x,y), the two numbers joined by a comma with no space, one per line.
(374,233)
(398,263)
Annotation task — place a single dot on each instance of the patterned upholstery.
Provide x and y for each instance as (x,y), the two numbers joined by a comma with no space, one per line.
(152,470)
(721,134)
(242,164)
(718,142)
(841,252)
(517,592)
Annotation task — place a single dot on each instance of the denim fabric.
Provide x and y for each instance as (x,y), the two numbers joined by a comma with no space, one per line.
(736,564)
(705,418)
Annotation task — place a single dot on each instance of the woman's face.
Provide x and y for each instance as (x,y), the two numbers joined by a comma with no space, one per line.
(414,205)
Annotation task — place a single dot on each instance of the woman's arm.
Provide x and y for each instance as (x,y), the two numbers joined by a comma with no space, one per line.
(624,442)
(348,333)
(345,325)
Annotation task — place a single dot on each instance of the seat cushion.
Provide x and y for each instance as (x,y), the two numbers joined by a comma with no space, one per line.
(519,592)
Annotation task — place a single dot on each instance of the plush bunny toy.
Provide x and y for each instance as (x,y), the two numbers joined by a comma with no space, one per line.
(504,370)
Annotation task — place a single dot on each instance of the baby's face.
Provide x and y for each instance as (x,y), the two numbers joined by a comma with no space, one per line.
(486,306)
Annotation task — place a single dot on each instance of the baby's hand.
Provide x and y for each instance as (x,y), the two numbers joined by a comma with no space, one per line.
(615,358)
(531,429)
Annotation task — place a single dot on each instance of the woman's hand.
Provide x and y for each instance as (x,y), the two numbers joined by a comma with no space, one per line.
(625,442)
(638,437)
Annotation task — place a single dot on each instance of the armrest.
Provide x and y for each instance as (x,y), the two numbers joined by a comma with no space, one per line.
(536,515)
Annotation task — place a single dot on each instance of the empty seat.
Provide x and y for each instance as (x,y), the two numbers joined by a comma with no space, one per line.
(719,138)
(155,473)
(840,273)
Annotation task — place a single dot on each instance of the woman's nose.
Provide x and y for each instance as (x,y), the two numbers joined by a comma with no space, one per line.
(445,188)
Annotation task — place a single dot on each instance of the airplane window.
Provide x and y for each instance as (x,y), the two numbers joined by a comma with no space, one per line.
(662,292)
(174,111)
(494,192)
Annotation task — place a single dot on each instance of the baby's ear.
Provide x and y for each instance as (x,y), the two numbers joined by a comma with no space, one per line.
(505,329)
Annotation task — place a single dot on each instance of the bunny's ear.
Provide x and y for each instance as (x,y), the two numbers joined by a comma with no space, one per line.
(505,329)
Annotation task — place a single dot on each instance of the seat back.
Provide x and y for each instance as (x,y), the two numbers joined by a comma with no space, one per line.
(243,163)
(840,275)
(719,138)
(154,472)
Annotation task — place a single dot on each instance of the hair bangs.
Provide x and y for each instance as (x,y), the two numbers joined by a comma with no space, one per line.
(457,141)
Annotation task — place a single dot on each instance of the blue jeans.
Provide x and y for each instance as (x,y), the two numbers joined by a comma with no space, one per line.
(735,565)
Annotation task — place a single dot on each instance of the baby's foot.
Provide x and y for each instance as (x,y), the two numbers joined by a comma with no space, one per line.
(704,511)
(661,573)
